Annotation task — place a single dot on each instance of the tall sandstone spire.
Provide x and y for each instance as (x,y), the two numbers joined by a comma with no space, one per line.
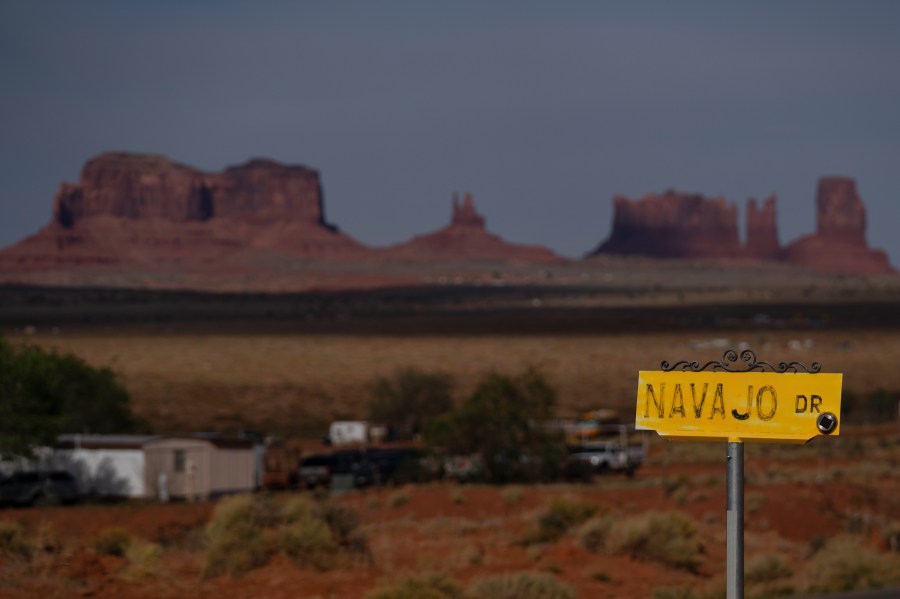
(762,230)
(839,243)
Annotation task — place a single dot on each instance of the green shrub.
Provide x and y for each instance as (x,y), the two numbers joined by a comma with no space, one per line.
(766,568)
(669,538)
(341,519)
(560,515)
(843,564)
(512,495)
(500,422)
(410,399)
(525,585)
(309,542)
(112,541)
(143,560)
(246,531)
(343,522)
(415,587)
(297,508)
(593,534)
(235,540)
(398,498)
(12,541)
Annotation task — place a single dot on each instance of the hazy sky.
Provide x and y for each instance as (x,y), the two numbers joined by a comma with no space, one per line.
(543,110)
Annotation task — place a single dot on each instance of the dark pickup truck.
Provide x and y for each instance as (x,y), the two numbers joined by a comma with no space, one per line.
(42,486)
(366,466)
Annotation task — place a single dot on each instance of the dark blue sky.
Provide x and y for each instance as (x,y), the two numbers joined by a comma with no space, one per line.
(542,110)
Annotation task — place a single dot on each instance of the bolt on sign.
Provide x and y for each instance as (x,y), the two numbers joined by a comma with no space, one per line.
(761,402)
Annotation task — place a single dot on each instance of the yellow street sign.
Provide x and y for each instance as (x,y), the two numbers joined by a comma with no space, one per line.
(782,407)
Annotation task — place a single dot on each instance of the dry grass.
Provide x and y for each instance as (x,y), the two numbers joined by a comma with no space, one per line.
(670,538)
(560,514)
(208,381)
(845,564)
(112,541)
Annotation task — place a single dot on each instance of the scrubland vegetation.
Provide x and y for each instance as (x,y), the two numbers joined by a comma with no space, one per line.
(617,537)
(296,384)
(822,517)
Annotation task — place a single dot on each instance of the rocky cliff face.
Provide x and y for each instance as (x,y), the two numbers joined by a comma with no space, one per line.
(132,186)
(134,208)
(153,187)
(839,243)
(840,214)
(762,230)
(673,225)
(466,238)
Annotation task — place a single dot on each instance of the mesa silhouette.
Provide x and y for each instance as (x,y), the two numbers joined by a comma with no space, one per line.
(137,220)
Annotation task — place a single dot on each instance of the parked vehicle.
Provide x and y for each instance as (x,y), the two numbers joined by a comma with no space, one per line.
(397,465)
(355,464)
(606,456)
(368,467)
(46,486)
(348,432)
(316,470)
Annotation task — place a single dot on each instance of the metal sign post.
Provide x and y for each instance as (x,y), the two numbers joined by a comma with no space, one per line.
(734,521)
(757,402)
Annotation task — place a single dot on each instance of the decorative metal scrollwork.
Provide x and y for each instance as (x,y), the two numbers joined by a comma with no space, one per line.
(729,360)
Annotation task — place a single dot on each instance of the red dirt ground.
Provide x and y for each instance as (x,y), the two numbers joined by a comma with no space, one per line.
(794,500)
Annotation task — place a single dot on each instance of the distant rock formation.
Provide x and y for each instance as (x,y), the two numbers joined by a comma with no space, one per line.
(138,220)
(839,243)
(464,214)
(673,225)
(762,230)
(466,238)
(142,208)
(153,187)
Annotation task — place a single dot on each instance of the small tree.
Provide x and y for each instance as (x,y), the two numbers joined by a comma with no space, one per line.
(29,409)
(503,422)
(410,399)
(43,394)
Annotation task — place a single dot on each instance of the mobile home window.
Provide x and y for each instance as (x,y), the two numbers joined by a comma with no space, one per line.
(179,460)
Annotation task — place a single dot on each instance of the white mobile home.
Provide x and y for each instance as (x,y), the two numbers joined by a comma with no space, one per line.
(105,465)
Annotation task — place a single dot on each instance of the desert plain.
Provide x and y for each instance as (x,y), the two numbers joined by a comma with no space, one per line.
(819,517)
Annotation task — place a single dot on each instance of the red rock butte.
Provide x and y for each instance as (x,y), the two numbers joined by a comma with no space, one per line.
(674,225)
(131,208)
(466,238)
(677,225)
